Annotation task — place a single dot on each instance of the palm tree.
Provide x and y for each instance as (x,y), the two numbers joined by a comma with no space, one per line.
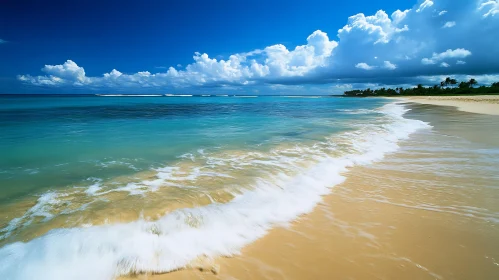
(464,85)
(447,81)
(472,82)
(442,84)
(453,81)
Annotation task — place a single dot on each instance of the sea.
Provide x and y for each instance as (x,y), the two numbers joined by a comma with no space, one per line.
(97,187)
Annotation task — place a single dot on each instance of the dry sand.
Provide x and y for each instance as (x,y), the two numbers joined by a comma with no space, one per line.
(482,104)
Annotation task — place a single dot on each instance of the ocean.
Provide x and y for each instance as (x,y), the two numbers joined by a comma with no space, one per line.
(96,187)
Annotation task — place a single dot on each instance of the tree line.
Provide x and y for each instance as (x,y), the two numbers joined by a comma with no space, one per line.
(447,87)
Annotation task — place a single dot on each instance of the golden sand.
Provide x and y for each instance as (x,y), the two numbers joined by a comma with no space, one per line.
(481,104)
(429,211)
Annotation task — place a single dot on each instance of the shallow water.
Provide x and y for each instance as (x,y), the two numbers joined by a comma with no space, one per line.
(426,211)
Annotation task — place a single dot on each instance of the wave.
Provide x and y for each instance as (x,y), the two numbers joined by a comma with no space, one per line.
(178,95)
(129,95)
(301,96)
(357,111)
(45,208)
(177,238)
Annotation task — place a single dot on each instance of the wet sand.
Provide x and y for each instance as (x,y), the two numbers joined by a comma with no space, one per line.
(428,211)
(481,104)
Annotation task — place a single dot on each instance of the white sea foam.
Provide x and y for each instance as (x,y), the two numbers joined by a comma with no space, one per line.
(51,204)
(116,163)
(357,111)
(178,95)
(129,95)
(95,187)
(103,252)
(42,208)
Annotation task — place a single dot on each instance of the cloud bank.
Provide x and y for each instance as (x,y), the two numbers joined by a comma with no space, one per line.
(433,39)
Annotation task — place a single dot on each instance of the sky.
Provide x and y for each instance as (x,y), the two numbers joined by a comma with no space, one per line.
(244,47)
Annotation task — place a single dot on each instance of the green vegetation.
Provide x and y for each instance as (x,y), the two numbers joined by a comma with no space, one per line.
(447,87)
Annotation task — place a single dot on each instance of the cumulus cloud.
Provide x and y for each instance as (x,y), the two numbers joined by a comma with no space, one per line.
(59,74)
(399,15)
(69,70)
(385,48)
(390,66)
(364,66)
(424,5)
(489,7)
(276,62)
(449,24)
(457,53)
(379,26)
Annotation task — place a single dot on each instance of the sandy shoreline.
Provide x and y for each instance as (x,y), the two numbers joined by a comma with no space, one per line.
(481,104)
(428,211)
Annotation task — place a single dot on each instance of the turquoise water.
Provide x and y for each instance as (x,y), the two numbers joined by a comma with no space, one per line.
(97,187)
(50,142)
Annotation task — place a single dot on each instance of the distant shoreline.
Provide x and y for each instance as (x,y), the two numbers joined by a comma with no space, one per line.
(480,104)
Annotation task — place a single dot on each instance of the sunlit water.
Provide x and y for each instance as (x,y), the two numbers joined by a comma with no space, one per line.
(430,210)
(96,187)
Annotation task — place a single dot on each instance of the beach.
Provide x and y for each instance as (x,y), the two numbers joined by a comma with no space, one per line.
(481,104)
(296,188)
(427,211)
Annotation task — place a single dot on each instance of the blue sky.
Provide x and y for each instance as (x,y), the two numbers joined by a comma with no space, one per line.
(264,47)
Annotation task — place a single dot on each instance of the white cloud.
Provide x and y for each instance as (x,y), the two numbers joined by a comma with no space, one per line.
(277,62)
(489,7)
(282,62)
(424,5)
(380,27)
(449,24)
(389,65)
(407,40)
(364,66)
(442,13)
(444,64)
(399,16)
(2,41)
(457,53)
(69,70)
(427,61)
